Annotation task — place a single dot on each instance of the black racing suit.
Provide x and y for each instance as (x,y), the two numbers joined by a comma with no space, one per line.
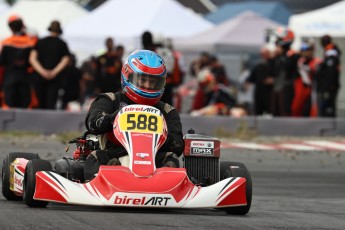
(110,103)
(285,72)
(327,79)
(15,59)
(108,76)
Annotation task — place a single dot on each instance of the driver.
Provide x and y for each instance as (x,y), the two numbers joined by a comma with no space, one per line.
(143,78)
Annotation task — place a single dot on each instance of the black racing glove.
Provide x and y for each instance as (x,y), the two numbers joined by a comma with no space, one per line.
(113,115)
(103,124)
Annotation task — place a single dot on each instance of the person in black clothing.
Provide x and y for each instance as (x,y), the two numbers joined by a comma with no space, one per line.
(261,77)
(109,67)
(120,51)
(14,58)
(147,41)
(218,71)
(48,58)
(143,81)
(88,86)
(71,82)
(285,72)
(327,78)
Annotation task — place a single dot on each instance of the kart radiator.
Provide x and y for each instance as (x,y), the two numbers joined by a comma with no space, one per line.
(201,158)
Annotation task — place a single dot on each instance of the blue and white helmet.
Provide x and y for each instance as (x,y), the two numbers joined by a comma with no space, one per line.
(143,77)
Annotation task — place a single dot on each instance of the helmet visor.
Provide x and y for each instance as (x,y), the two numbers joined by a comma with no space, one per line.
(148,82)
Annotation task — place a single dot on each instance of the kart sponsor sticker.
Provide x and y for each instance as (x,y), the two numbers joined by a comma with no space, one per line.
(134,199)
(142,162)
(139,108)
(142,155)
(202,147)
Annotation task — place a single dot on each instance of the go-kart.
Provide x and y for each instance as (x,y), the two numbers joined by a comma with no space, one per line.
(203,182)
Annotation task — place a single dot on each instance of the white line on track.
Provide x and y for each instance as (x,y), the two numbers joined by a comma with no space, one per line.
(312,145)
(327,144)
(252,146)
(300,147)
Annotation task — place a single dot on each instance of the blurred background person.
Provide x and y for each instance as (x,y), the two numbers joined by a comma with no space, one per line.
(245,92)
(217,100)
(177,74)
(175,71)
(218,70)
(328,78)
(88,87)
(109,67)
(120,50)
(49,58)
(172,59)
(303,103)
(147,41)
(71,81)
(14,58)
(285,71)
(198,65)
(1,84)
(261,76)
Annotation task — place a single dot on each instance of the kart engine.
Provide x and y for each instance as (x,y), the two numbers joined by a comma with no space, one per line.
(201,158)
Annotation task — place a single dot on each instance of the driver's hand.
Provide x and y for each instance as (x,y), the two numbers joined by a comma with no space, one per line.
(113,115)
(103,124)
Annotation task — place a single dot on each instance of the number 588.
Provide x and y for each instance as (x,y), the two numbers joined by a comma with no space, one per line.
(142,122)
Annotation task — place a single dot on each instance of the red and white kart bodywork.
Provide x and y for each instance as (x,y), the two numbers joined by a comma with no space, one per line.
(17,171)
(142,130)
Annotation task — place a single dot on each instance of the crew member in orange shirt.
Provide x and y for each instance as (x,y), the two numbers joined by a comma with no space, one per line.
(14,57)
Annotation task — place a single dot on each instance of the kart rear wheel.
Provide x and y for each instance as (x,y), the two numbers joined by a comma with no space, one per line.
(237,169)
(29,184)
(6,191)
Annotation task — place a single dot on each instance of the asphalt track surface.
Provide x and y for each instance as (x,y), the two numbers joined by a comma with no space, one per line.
(291,190)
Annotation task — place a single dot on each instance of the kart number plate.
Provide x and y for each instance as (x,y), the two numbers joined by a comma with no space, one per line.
(141,122)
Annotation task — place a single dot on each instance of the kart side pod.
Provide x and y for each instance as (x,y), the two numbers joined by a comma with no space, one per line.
(201,158)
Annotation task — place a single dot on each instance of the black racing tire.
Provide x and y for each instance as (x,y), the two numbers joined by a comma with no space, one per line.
(225,165)
(237,169)
(29,184)
(6,191)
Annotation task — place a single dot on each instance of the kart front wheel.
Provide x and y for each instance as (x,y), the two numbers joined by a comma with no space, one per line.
(237,169)
(29,184)
(5,172)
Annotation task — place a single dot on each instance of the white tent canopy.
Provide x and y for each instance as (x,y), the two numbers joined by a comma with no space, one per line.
(125,21)
(327,20)
(3,7)
(37,15)
(247,31)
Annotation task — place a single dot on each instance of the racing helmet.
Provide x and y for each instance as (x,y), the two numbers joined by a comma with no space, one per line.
(143,77)
(284,36)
